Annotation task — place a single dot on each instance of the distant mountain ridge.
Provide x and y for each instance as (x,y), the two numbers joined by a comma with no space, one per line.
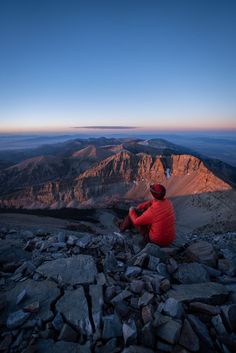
(117,172)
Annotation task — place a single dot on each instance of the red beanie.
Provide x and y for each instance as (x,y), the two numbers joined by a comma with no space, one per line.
(158,191)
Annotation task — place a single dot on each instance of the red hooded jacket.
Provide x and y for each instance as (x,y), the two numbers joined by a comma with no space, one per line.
(159,216)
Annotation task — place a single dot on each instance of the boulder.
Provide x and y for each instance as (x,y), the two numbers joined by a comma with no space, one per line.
(208,292)
(80,269)
(202,252)
(73,306)
(191,273)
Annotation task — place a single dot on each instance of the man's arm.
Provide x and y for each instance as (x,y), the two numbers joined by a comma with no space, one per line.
(145,218)
(144,205)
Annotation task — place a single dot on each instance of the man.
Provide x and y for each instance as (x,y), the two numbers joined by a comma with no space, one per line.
(154,219)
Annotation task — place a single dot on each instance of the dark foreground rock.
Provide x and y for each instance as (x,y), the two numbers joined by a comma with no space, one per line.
(77,292)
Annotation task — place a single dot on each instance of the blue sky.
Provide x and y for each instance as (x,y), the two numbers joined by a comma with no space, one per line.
(161,64)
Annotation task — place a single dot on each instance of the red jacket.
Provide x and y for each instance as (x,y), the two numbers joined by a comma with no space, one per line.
(159,215)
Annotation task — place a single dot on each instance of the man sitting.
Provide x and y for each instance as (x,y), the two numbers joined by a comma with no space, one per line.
(154,219)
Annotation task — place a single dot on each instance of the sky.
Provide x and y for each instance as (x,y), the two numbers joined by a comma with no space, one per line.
(148,64)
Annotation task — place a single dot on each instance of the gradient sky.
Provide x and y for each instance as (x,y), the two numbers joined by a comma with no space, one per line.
(152,64)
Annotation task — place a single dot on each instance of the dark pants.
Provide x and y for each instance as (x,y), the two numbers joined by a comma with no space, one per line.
(128,224)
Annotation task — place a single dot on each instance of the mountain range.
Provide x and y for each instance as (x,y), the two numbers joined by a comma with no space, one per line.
(103,172)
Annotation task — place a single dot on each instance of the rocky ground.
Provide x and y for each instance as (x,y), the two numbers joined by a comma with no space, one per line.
(87,288)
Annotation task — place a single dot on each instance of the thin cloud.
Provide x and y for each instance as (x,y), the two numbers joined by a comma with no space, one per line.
(106,127)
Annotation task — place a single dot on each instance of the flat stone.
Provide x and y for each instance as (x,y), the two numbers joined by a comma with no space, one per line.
(96,294)
(49,345)
(121,296)
(173,308)
(154,250)
(68,334)
(73,306)
(191,273)
(45,292)
(112,327)
(164,347)
(80,269)
(16,319)
(110,263)
(58,322)
(199,307)
(170,331)
(122,309)
(188,337)
(218,325)
(145,299)
(137,286)
(153,262)
(202,252)
(132,271)
(209,291)
(200,329)
(148,338)
(21,296)
(109,347)
(137,349)
(129,332)
(229,313)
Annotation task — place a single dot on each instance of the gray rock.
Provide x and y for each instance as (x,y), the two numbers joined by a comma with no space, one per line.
(16,319)
(154,250)
(145,299)
(58,322)
(173,308)
(96,294)
(132,271)
(129,332)
(43,346)
(80,269)
(109,347)
(122,309)
(200,329)
(121,296)
(199,307)
(84,241)
(202,252)
(165,285)
(191,273)
(73,306)
(188,337)
(110,263)
(170,331)
(137,286)
(147,313)
(229,314)
(162,270)
(112,327)
(153,262)
(72,240)
(164,347)
(21,296)
(68,334)
(209,291)
(101,279)
(137,349)
(148,338)
(61,237)
(46,292)
(218,325)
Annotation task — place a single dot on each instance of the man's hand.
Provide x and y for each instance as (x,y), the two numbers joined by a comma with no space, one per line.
(131,208)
